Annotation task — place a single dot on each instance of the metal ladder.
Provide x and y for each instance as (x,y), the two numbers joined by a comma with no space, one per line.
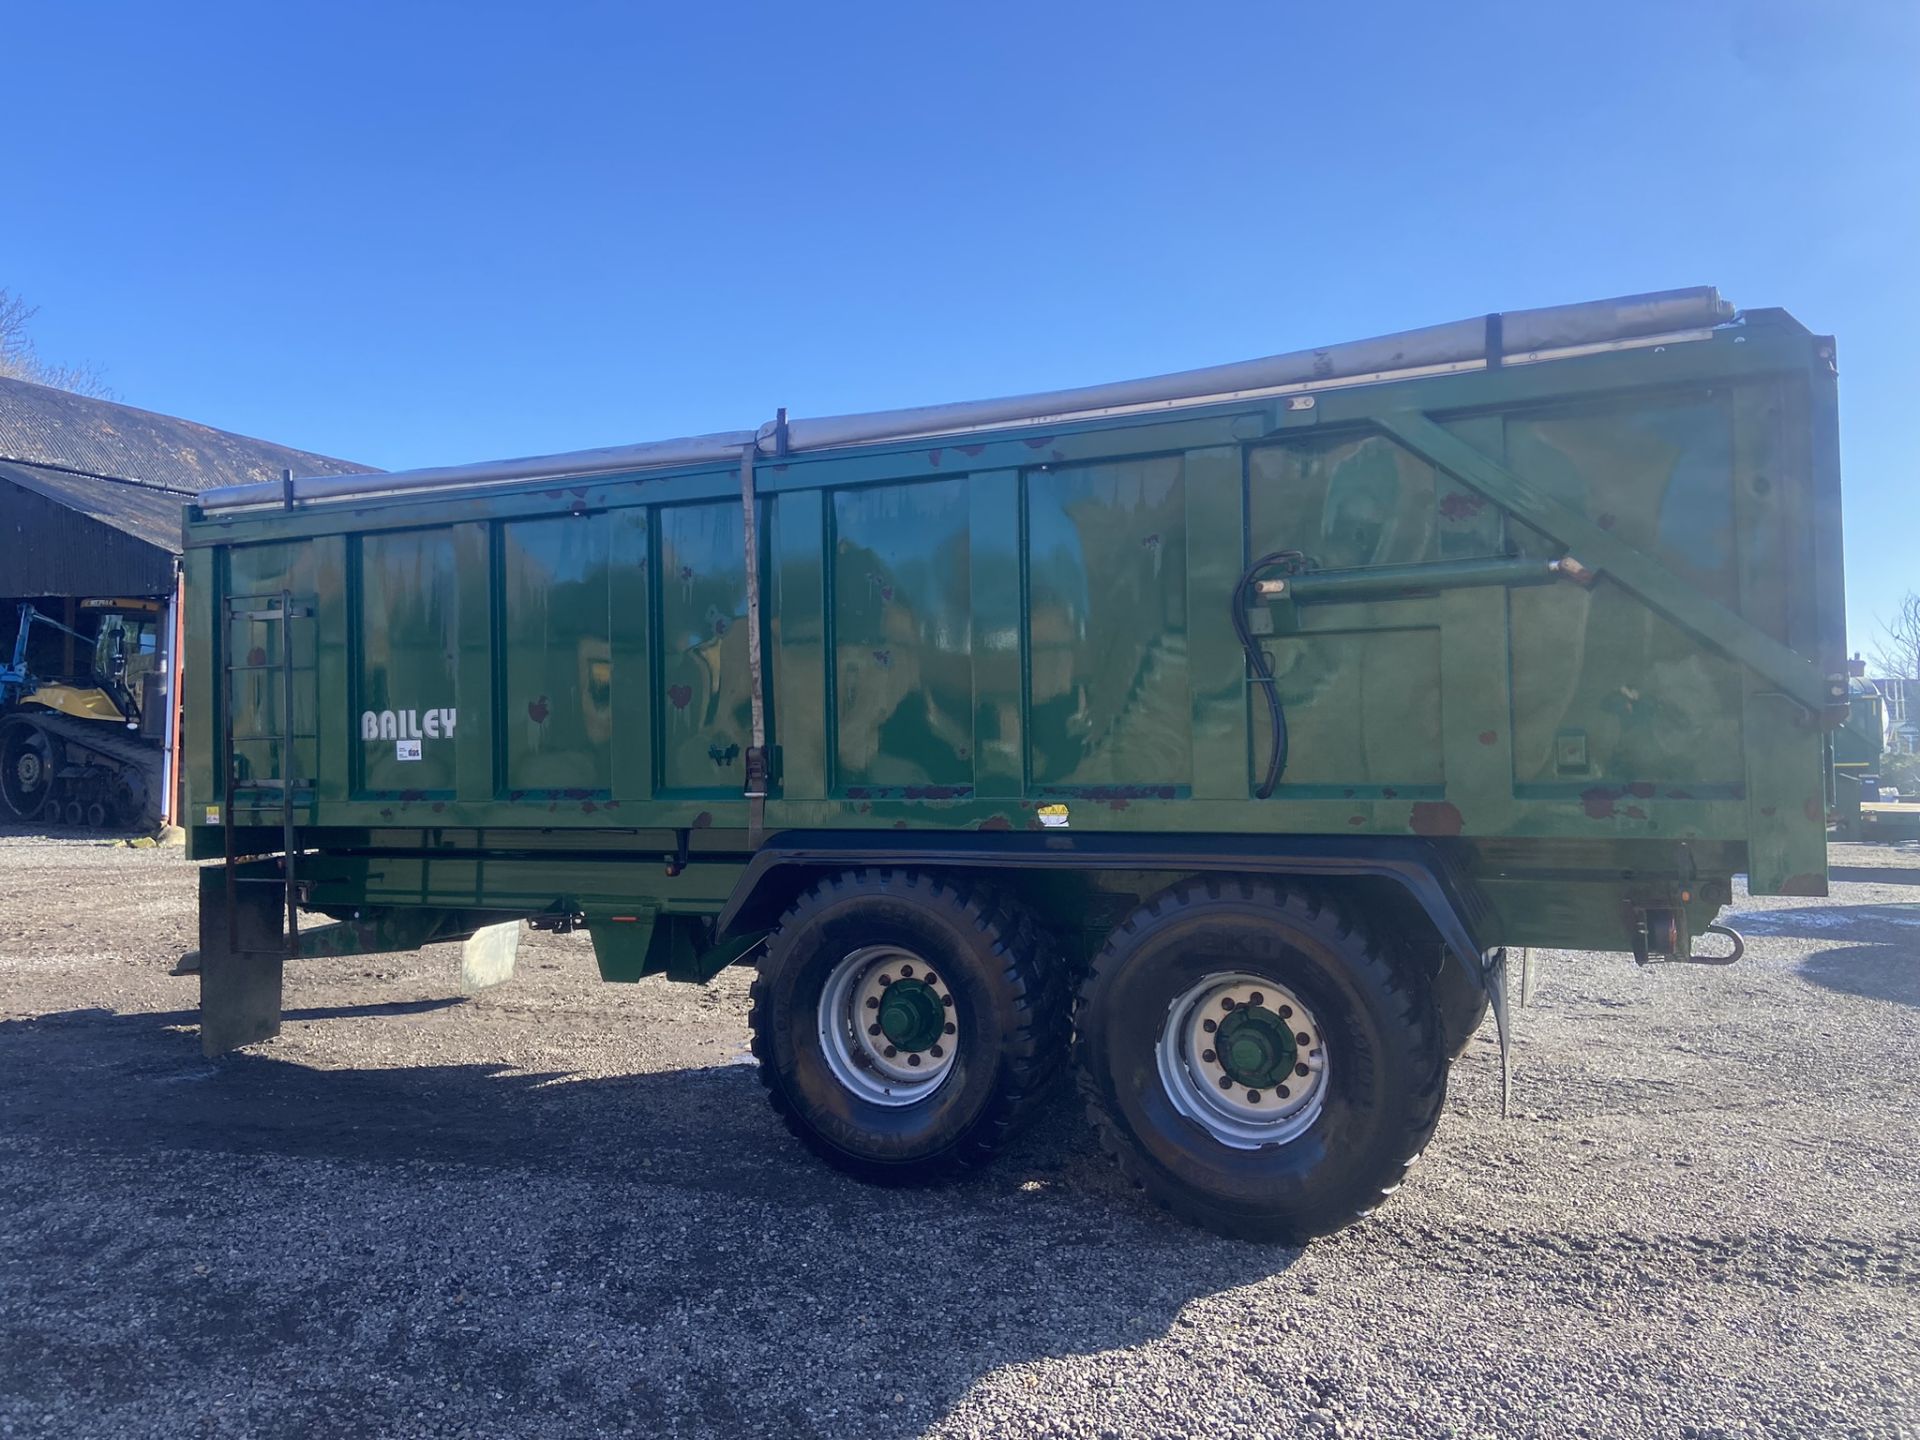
(279,611)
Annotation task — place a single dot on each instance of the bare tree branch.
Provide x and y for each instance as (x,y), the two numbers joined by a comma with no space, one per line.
(1897,656)
(16,348)
(20,360)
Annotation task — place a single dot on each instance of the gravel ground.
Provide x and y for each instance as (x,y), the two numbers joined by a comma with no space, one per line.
(559,1208)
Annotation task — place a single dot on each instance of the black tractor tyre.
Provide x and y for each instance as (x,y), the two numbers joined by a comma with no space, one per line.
(1378,1100)
(1463,1006)
(1008,1011)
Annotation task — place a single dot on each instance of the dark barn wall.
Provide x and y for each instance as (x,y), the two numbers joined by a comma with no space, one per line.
(48,549)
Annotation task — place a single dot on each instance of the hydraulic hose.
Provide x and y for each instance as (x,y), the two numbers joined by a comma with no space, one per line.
(1262,671)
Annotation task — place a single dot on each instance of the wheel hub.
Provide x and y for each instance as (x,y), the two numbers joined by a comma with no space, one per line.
(1256,1047)
(888,1028)
(27,768)
(1244,1059)
(911,1015)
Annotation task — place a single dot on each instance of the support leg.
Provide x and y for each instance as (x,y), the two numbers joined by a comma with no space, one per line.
(240,971)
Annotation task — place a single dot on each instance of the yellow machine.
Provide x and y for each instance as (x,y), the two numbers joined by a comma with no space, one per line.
(83,749)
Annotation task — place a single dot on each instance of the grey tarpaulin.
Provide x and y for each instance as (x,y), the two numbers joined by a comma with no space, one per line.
(1459,343)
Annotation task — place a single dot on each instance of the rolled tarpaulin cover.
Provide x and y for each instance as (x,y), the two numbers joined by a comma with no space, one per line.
(1459,342)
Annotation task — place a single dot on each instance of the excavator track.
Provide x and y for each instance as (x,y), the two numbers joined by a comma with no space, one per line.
(91,745)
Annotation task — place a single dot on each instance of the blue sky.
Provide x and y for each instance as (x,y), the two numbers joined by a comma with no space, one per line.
(409,233)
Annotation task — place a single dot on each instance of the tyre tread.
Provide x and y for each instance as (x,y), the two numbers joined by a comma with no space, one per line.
(1416,1016)
(1036,1049)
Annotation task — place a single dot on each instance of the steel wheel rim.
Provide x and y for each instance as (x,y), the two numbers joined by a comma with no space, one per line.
(1259,1081)
(887,1026)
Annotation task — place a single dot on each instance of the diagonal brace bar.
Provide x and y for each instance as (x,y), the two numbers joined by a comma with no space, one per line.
(1665,592)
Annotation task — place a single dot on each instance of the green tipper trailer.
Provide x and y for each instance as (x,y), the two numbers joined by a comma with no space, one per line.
(1222,728)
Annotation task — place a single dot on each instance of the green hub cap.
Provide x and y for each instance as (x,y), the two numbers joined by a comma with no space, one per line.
(911,1015)
(1256,1047)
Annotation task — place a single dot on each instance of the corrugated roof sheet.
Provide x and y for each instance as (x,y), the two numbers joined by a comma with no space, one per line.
(146,512)
(53,429)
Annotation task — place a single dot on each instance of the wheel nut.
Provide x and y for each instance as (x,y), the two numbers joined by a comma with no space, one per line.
(873,1029)
(1207,1055)
(1227,1004)
(1209,1026)
(873,1002)
(935,1051)
(1226,1083)
(931,978)
(906,969)
(1253,1096)
(1284,1092)
(952,1029)
(946,1000)
(886,980)
(889,1052)
(1286,1012)
(1256,998)
(1301,1069)
(913,1059)
(1304,1038)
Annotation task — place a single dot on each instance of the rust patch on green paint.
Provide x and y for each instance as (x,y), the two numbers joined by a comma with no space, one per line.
(1601,801)
(1436,817)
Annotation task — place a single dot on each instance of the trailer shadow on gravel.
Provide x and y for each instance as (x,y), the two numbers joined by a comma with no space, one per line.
(1881,963)
(657,1230)
(1874,972)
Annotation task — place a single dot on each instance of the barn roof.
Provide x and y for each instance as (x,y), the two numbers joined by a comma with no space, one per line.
(146,512)
(131,469)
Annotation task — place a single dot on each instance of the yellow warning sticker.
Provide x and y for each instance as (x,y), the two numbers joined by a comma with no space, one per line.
(1054,816)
